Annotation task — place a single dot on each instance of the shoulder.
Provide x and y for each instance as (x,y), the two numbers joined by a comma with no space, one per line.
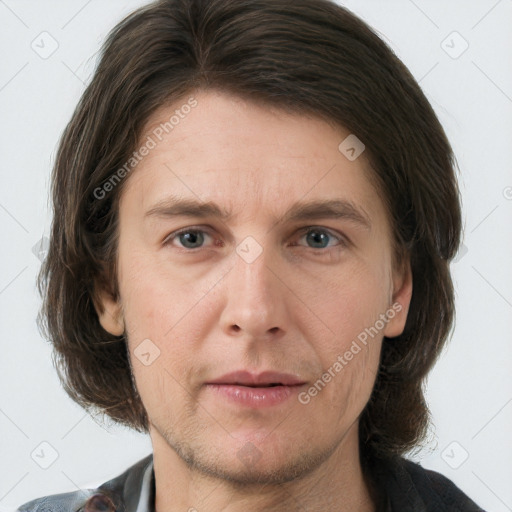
(434,490)
(118,491)
(65,502)
(430,482)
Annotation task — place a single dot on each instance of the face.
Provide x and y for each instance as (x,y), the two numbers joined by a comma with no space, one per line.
(252,282)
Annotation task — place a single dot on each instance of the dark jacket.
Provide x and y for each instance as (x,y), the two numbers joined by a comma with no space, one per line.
(406,486)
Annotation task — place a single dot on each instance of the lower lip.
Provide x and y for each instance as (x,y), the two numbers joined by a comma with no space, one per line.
(255,397)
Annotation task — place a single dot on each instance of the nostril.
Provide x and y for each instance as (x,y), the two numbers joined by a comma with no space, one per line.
(99,503)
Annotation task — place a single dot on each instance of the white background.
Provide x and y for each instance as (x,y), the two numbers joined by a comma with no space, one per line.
(470,390)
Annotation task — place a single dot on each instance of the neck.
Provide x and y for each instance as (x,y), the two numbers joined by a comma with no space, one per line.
(336,484)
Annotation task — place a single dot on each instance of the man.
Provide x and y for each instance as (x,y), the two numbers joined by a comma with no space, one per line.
(255,208)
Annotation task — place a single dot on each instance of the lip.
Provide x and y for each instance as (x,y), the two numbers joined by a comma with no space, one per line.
(247,378)
(265,389)
(253,397)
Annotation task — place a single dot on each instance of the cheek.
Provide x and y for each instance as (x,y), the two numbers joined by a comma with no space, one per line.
(351,370)
(164,317)
(350,302)
(349,343)
(155,299)
(159,388)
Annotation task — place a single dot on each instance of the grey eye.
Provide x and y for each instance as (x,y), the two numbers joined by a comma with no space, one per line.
(318,237)
(192,238)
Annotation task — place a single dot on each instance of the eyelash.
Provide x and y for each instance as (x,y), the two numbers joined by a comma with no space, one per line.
(342,241)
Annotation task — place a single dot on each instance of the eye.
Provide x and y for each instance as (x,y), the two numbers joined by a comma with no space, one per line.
(188,238)
(320,237)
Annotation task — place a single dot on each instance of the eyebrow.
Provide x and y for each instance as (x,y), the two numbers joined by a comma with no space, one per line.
(299,211)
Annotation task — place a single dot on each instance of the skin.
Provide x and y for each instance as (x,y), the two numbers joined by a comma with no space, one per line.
(295,308)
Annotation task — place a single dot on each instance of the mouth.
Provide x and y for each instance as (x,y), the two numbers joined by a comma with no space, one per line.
(264,379)
(246,389)
(273,384)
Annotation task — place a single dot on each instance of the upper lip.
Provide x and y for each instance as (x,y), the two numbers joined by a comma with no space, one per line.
(247,378)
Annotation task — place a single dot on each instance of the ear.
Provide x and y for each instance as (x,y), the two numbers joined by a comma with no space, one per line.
(402,293)
(109,311)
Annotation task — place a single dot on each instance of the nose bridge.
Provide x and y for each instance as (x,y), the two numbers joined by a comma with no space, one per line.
(251,267)
(253,290)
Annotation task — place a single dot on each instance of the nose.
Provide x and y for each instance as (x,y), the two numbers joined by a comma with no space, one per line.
(256,295)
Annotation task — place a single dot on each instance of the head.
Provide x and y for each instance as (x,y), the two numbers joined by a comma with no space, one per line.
(248,109)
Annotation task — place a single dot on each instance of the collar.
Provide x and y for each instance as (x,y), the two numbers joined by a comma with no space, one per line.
(132,491)
(404,485)
(146,502)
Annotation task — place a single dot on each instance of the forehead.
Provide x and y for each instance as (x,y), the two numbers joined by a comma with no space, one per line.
(248,159)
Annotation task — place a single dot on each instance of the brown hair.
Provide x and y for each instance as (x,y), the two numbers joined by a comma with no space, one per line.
(307,56)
